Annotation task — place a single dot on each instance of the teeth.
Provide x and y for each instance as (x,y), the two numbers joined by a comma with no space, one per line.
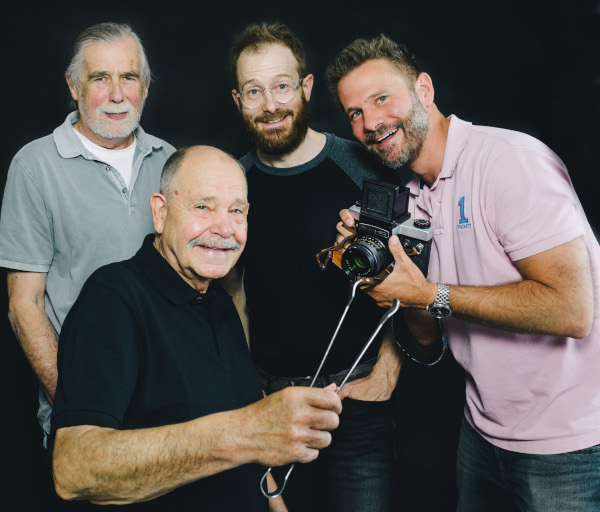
(388,135)
(275,121)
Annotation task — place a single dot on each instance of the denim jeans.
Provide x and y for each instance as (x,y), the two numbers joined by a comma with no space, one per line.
(355,473)
(429,407)
(492,479)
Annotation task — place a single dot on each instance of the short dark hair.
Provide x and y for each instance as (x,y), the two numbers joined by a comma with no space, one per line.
(362,50)
(257,35)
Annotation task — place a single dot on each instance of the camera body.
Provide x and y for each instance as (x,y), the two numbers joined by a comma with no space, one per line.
(382,213)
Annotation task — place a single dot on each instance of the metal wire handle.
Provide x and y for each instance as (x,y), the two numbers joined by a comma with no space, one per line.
(388,314)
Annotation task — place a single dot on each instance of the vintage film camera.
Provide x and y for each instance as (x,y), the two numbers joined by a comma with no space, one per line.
(383,212)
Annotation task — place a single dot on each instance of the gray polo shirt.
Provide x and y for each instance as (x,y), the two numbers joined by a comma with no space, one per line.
(67,214)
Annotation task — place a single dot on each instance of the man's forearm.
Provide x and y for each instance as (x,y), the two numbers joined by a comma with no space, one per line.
(389,361)
(423,327)
(382,380)
(554,297)
(526,307)
(125,466)
(38,341)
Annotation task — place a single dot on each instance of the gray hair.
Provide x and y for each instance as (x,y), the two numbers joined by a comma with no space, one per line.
(172,165)
(103,33)
(167,177)
(362,50)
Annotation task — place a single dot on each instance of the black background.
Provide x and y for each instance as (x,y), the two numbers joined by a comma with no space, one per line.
(528,66)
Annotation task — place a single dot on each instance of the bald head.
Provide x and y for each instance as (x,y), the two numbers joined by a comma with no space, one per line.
(195,157)
(200,216)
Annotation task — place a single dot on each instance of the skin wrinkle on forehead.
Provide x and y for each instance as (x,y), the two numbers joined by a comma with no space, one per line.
(111,85)
(211,208)
(264,66)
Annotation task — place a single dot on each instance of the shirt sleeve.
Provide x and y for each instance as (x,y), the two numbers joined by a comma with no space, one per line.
(98,360)
(26,241)
(531,202)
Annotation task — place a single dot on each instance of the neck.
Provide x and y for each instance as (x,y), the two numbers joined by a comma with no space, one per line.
(84,129)
(309,148)
(429,164)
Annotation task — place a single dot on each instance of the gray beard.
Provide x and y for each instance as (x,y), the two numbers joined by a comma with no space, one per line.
(415,128)
(101,128)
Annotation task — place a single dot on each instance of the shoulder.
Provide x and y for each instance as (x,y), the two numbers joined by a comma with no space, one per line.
(501,141)
(122,278)
(248,160)
(37,151)
(501,156)
(156,143)
(356,162)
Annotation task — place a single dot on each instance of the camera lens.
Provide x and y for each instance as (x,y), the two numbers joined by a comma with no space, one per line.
(366,257)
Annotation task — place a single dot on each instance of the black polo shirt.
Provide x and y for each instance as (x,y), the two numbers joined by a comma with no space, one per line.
(141,348)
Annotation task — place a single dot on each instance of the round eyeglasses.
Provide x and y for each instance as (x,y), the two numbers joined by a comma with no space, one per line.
(282,92)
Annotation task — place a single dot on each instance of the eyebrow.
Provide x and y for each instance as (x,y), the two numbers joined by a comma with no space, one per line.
(379,92)
(238,201)
(278,77)
(97,74)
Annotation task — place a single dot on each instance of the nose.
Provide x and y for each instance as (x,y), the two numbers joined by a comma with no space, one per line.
(270,105)
(222,223)
(116,92)
(372,119)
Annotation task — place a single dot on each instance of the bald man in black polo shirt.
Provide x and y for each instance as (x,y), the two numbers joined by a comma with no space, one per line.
(157,398)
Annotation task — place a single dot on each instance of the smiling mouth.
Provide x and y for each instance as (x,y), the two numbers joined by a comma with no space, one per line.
(387,136)
(220,249)
(116,115)
(275,120)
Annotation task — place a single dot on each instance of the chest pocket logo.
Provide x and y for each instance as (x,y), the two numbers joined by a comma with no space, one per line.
(463,221)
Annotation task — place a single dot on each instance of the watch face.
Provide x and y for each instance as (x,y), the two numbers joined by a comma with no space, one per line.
(439,311)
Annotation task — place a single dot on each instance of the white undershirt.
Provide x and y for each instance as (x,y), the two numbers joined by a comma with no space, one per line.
(119,159)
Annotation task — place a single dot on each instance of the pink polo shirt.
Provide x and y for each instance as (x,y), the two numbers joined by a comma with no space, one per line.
(502,196)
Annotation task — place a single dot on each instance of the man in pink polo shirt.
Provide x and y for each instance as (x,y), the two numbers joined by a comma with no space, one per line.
(514,274)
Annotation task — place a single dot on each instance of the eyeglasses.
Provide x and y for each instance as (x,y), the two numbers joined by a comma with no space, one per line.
(282,92)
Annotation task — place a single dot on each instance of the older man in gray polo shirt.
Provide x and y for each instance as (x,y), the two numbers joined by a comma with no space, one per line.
(79,198)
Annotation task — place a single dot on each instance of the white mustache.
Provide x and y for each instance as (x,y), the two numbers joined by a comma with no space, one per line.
(215,242)
(121,108)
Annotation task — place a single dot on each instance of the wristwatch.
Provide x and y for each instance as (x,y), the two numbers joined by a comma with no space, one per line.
(441,305)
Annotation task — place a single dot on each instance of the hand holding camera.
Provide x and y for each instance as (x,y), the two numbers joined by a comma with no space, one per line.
(390,249)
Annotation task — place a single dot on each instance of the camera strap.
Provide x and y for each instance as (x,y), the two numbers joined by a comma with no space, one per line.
(387,315)
(334,253)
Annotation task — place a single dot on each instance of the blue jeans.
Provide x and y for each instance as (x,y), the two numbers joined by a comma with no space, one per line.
(492,479)
(355,473)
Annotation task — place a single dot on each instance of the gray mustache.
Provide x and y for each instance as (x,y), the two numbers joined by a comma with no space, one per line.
(215,242)
(372,137)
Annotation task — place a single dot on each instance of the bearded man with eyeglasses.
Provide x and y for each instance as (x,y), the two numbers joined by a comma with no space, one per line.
(293,307)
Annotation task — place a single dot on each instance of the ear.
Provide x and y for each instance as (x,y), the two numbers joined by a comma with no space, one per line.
(236,100)
(158,206)
(72,89)
(307,85)
(146,87)
(424,89)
